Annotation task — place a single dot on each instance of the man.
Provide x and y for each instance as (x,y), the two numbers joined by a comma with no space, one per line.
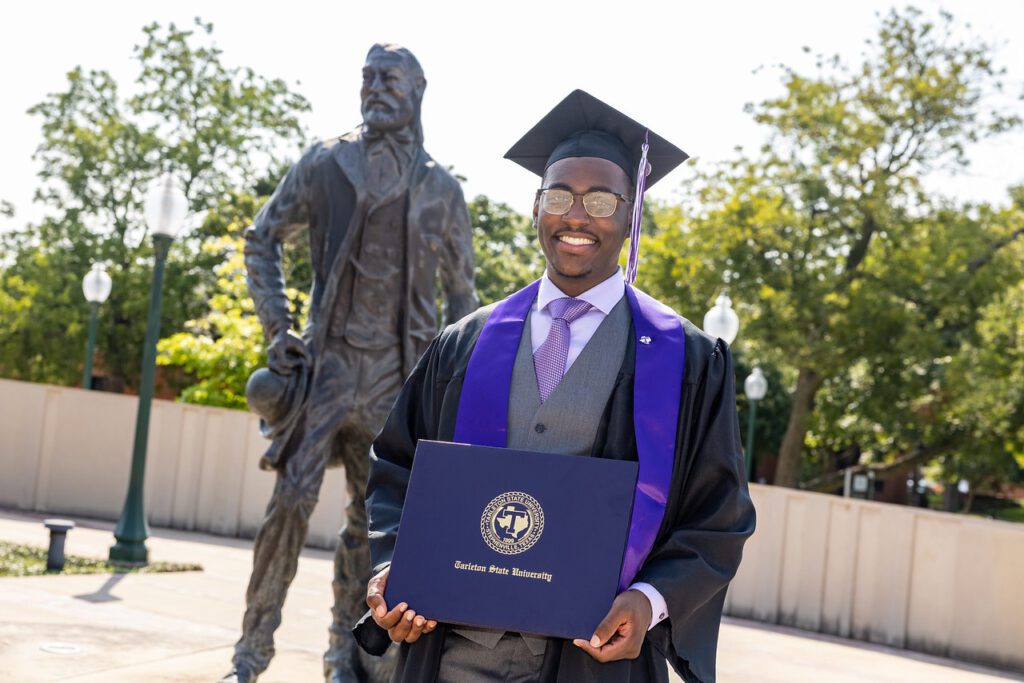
(581,363)
(383,219)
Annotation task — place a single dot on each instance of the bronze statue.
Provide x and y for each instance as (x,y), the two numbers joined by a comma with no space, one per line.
(384,221)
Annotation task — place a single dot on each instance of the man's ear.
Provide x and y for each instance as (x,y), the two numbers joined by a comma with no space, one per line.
(536,211)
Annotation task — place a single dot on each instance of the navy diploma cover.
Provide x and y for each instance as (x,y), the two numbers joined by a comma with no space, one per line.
(512,540)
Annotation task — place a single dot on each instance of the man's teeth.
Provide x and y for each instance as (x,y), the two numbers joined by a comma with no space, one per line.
(576,241)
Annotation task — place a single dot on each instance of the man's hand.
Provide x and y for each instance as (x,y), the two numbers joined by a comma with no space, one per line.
(286,352)
(401,623)
(621,634)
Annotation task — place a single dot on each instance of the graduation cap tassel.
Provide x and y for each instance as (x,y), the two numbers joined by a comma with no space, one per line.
(638,210)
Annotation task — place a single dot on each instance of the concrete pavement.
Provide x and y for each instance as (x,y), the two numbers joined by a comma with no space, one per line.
(179,627)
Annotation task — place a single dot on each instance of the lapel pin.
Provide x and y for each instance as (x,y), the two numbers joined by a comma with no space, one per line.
(645,339)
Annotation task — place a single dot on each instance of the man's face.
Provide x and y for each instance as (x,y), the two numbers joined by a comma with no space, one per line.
(582,251)
(388,94)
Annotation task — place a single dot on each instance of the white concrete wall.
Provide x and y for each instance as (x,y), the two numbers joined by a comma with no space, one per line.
(930,581)
(68,451)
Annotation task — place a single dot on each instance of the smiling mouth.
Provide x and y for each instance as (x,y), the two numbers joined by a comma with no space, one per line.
(576,240)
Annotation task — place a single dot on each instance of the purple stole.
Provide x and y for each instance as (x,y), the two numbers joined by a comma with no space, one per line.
(657,390)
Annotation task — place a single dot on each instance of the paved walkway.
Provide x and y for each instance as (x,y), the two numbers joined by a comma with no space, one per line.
(157,628)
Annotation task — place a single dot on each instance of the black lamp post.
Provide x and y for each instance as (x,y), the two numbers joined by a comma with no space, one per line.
(165,208)
(755,386)
(96,287)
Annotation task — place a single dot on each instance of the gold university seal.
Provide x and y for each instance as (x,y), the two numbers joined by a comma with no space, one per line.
(512,523)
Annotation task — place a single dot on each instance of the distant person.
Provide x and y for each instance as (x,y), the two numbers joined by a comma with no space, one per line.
(592,367)
(385,222)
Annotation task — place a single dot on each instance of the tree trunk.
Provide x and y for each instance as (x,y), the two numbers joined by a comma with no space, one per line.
(967,503)
(918,455)
(787,471)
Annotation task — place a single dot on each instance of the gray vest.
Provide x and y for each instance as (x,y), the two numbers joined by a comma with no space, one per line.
(567,422)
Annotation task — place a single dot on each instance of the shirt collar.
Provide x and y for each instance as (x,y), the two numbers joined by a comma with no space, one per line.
(602,296)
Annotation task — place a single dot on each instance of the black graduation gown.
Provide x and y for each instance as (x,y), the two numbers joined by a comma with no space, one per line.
(708,517)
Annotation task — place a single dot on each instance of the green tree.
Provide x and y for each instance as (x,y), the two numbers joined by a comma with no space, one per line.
(219,350)
(836,258)
(505,249)
(926,299)
(215,125)
(986,413)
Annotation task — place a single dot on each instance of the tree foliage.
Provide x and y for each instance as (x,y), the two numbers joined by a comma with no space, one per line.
(985,409)
(215,126)
(504,246)
(846,275)
(220,350)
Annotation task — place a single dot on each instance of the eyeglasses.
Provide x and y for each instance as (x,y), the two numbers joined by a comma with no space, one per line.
(599,204)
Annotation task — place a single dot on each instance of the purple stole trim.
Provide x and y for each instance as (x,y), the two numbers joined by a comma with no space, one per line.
(482,419)
(657,390)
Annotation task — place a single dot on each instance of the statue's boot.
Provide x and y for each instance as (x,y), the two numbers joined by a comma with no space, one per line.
(344,661)
(239,674)
(341,663)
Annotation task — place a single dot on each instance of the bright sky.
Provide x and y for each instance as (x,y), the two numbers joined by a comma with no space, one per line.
(683,68)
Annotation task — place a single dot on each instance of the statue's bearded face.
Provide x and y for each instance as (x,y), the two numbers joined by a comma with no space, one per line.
(389,93)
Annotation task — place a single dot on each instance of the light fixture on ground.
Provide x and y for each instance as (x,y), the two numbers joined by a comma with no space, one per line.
(755,386)
(165,209)
(721,321)
(96,287)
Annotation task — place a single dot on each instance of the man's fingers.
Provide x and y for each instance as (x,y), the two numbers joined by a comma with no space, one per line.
(375,594)
(401,630)
(608,627)
(616,648)
(389,620)
(375,601)
(595,652)
(418,628)
(609,641)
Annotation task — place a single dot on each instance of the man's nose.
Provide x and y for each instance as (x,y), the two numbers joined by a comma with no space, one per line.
(577,216)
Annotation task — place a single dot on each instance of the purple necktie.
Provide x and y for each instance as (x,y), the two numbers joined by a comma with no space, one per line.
(550,357)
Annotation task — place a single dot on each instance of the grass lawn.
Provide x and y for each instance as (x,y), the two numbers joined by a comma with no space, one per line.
(26,560)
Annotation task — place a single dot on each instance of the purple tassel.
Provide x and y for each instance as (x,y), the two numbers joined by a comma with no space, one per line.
(638,209)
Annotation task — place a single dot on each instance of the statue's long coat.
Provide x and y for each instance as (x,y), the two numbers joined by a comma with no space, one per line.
(325,191)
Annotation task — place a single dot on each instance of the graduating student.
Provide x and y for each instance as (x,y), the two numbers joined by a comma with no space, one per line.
(580,362)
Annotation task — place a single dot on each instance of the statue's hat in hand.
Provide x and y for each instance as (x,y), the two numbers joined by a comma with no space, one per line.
(277,399)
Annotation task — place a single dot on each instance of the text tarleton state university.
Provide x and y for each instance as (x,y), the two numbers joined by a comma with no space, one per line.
(502,571)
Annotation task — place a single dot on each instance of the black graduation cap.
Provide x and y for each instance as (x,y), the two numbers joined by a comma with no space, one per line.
(583,126)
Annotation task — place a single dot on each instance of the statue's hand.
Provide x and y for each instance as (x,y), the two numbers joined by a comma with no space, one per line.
(286,352)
